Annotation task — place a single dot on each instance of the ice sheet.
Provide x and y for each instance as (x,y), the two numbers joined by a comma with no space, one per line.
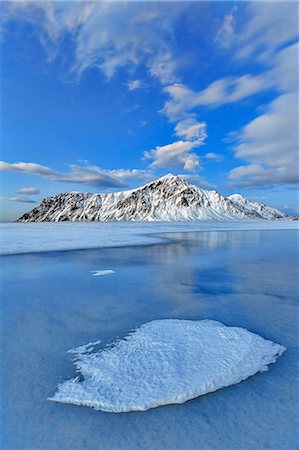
(100,273)
(37,237)
(165,362)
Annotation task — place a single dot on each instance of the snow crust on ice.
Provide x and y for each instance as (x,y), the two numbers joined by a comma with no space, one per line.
(165,362)
(41,237)
(86,348)
(99,273)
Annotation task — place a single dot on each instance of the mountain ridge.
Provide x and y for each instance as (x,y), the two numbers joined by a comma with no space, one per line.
(169,198)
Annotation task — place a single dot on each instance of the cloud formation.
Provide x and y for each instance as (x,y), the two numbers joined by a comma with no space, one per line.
(28,191)
(191,129)
(177,155)
(270,144)
(114,35)
(17,199)
(134,84)
(106,35)
(111,36)
(225,34)
(269,26)
(180,155)
(223,91)
(87,175)
(213,156)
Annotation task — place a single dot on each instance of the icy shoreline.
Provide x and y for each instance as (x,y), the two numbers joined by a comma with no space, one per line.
(42,237)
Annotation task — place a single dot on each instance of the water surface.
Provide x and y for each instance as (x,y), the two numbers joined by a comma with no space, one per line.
(51,303)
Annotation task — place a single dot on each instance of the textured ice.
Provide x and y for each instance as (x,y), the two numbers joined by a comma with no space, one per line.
(87,348)
(165,362)
(99,273)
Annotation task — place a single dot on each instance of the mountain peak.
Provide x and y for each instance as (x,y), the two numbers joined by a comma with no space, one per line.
(169,176)
(237,198)
(165,199)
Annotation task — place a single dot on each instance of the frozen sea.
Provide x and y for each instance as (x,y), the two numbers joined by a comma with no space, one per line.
(52,302)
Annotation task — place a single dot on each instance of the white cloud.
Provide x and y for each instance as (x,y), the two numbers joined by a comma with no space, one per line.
(180,102)
(281,75)
(225,34)
(33,168)
(28,191)
(226,90)
(190,129)
(87,175)
(193,133)
(254,175)
(134,84)
(177,155)
(269,27)
(17,199)
(213,156)
(163,66)
(285,68)
(269,143)
(111,35)
(107,35)
(126,175)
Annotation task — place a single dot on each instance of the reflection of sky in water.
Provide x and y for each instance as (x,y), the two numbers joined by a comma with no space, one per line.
(51,304)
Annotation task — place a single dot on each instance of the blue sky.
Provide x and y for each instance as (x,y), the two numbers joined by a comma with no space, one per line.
(102,96)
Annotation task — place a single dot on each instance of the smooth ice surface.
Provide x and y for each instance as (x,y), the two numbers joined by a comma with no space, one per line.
(99,273)
(165,362)
(40,237)
(50,303)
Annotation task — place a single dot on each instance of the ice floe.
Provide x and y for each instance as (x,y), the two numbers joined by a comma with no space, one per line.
(99,273)
(164,362)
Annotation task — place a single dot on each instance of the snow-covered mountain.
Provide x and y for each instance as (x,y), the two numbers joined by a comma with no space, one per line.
(266,211)
(170,198)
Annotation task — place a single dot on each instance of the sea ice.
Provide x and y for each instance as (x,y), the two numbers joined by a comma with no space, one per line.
(164,362)
(99,273)
(16,238)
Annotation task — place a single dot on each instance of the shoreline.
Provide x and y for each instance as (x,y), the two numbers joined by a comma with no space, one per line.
(38,237)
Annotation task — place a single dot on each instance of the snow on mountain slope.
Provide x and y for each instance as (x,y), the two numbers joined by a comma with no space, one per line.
(266,211)
(170,198)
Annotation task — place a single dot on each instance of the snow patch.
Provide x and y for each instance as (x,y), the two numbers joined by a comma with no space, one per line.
(99,273)
(165,362)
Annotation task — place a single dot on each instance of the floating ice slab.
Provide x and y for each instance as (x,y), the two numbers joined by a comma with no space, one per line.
(100,273)
(165,362)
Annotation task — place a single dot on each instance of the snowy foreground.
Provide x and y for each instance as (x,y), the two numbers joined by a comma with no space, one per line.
(37,237)
(165,362)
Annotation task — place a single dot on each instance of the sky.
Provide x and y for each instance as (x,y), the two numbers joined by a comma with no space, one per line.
(107,96)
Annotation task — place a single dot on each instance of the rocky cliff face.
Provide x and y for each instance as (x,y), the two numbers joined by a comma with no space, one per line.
(169,198)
